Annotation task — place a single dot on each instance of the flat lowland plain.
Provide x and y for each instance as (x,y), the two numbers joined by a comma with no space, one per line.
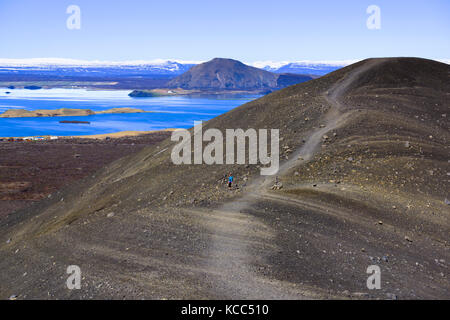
(363,181)
(31,171)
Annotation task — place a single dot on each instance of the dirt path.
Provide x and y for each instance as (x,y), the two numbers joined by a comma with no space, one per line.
(233,252)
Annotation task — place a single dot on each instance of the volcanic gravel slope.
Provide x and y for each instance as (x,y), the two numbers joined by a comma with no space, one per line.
(365,172)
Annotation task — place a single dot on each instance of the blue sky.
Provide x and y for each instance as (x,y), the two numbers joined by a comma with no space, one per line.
(246,30)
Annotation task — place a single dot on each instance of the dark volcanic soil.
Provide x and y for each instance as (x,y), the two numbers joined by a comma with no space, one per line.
(364,166)
(30,171)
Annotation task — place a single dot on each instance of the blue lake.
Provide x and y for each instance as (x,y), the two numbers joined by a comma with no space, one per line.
(172,112)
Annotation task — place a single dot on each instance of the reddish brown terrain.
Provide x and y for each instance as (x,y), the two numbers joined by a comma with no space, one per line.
(31,171)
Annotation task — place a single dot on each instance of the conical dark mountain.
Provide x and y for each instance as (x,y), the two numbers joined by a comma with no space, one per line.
(363,181)
(228,74)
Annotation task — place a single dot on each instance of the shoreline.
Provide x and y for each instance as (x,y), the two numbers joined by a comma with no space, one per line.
(101,136)
(120,134)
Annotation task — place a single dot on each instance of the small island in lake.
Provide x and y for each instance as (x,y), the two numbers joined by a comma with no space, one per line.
(158,93)
(75,122)
(65,112)
(32,87)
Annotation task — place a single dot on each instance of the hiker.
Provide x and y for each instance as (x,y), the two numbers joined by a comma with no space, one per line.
(230,181)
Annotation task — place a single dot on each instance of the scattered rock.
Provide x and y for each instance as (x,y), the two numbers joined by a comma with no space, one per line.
(391,296)
(110,215)
(408,239)
(277,186)
(8,241)
(13,297)
(360,294)
(447,201)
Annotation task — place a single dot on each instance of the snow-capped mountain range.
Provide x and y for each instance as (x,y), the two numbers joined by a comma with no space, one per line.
(70,67)
(158,67)
(174,67)
(303,67)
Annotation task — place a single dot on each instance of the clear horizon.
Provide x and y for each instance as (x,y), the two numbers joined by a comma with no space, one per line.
(247,31)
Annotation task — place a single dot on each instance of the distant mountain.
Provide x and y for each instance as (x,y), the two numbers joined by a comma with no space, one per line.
(289,79)
(319,68)
(66,73)
(308,69)
(229,74)
(92,69)
(159,68)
